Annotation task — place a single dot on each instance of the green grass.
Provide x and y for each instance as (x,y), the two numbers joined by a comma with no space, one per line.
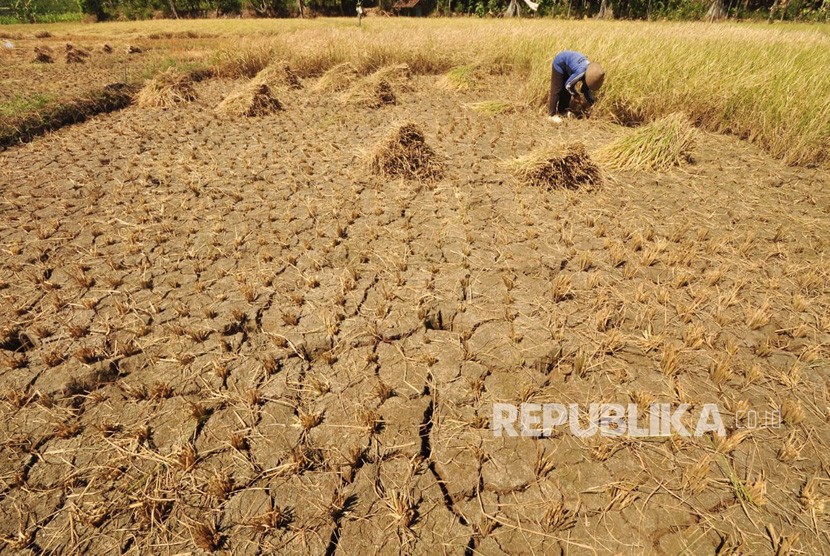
(45,18)
(23,103)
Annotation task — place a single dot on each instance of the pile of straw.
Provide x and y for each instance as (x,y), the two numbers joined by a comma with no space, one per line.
(565,166)
(168,88)
(255,98)
(404,153)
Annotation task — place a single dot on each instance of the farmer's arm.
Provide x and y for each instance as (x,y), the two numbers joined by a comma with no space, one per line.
(572,82)
(588,95)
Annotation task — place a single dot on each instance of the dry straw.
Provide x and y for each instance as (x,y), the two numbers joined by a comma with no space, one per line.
(337,79)
(397,75)
(168,88)
(279,75)
(43,55)
(493,107)
(380,88)
(255,98)
(659,145)
(75,55)
(461,78)
(566,166)
(370,93)
(404,153)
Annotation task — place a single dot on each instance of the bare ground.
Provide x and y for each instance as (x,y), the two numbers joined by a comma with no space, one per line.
(228,334)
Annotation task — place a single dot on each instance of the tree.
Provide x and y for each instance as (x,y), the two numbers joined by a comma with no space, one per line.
(95,8)
(606,10)
(513,9)
(716,11)
(24,11)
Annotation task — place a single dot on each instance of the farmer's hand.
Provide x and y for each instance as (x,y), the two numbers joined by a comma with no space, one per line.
(555,119)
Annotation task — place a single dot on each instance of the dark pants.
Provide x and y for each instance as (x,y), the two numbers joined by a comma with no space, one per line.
(560,98)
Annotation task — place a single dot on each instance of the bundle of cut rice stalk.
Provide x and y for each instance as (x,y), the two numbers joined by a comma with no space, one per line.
(659,145)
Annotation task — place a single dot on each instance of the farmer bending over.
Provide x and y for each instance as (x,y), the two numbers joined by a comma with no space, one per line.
(570,69)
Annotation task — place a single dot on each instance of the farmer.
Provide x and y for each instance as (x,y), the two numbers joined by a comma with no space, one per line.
(359,11)
(569,70)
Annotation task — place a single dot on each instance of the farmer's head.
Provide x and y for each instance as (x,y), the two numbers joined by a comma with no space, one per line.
(594,76)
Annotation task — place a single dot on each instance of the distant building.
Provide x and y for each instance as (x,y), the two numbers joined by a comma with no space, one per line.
(410,8)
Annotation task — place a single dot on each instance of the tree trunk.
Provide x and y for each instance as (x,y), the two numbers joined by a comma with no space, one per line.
(301,7)
(716,11)
(173,8)
(606,10)
(513,9)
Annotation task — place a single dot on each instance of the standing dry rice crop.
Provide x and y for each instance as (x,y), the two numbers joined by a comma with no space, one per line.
(659,145)
(565,166)
(168,88)
(404,153)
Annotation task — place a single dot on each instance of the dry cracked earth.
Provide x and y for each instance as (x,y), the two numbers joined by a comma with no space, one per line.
(227,334)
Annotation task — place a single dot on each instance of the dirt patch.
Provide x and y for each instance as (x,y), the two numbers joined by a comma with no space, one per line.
(565,166)
(215,332)
(405,153)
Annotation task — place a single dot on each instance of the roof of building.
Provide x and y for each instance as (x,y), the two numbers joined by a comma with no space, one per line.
(403,4)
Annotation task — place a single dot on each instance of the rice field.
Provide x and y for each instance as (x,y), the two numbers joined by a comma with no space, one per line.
(278,287)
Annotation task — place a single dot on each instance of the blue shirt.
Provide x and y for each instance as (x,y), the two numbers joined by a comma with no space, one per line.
(573,65)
